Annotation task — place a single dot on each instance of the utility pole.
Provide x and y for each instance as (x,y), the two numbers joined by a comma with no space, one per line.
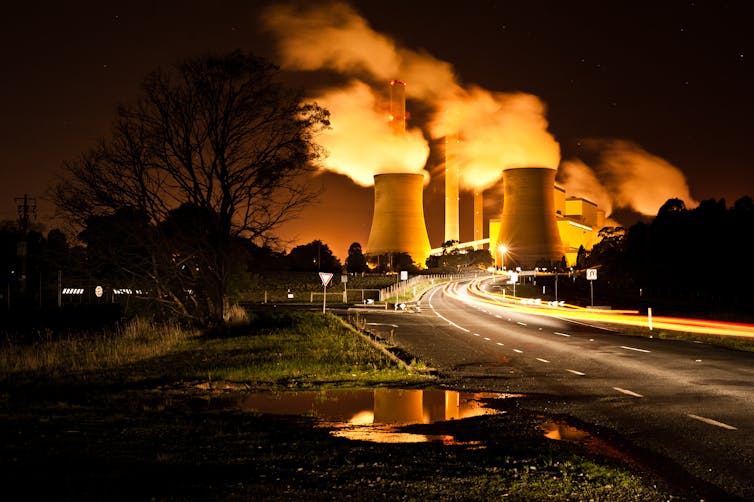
(27,208)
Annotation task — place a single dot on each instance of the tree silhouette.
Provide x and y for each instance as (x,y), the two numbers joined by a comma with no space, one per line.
(356,262)
(217,133)
(315,257)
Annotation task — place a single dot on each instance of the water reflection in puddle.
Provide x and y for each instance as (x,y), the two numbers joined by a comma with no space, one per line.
(561,431)
(376,415)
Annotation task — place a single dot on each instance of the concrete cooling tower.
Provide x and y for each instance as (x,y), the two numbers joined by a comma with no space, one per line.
(398,222)
(528,226)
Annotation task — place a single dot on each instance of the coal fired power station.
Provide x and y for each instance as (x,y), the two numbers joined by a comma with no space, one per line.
(537,227)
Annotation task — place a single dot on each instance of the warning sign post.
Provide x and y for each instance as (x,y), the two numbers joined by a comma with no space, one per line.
(326,277)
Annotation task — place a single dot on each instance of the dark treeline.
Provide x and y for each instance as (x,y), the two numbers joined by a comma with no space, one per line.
(686,261)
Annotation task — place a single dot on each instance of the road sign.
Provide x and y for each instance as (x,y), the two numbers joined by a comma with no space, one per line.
(591,274)
(325,276)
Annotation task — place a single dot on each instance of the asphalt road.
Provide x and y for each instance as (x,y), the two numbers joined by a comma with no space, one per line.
(688,407)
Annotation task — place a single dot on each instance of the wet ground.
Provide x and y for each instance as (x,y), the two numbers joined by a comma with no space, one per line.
(181,442)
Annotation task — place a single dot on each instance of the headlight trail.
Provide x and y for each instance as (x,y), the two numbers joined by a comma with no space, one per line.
(474,291)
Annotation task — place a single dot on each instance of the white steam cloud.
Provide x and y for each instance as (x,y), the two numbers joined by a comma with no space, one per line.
(625,176)
(361,136)
(499,130)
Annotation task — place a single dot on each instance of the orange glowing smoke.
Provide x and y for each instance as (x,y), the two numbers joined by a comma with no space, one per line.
(501,130)
(360,142)
(625,176)
(498,130)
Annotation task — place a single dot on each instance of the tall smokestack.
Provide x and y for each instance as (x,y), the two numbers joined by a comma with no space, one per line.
(452,232)
(398,106)
(478,215)
(398,221)
(528,226)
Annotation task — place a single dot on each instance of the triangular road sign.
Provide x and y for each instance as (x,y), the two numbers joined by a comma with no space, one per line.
(325,276)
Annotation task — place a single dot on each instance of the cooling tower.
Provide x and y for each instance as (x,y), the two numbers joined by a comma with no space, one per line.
(398,221)
(528,227)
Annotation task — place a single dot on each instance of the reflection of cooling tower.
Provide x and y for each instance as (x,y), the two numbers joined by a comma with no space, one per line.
(528,227)
(397,406)
(398,221)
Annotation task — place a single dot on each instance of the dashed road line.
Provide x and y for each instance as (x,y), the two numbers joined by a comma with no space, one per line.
(542,360)
(500,344)
(521,323)
(634,348)
(713,422)
(627,392)
(519,351)
(486,338)
(561,334)
(477,334)
(576,372)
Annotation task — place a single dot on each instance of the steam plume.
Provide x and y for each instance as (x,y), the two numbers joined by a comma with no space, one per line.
(632,178)
(360,142)
(501,130)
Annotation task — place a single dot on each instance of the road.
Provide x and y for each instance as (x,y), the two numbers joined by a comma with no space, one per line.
(688,405)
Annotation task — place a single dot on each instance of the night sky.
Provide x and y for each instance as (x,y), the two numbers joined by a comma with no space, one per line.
(673,79)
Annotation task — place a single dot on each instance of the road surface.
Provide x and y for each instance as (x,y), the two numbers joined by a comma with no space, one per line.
(689,405)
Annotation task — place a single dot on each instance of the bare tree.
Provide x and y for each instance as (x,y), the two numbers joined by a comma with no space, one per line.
(215,134)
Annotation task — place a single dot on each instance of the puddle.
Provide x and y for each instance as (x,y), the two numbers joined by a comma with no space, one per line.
(559,430)
(376,415)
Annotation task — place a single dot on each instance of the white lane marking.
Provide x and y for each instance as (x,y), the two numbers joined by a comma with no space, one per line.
(628,392)
(713,422)
(519,351)
(451,322)
(486,338)
(634,348)
(477,334)
(381,324)
(500,344)
(576,372)
(521,323)
(542,360)
(498,316)
(561,334)
(539,329)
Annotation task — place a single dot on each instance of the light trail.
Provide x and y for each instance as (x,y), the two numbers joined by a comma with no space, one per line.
(627,392)
(476,292)
(713,422)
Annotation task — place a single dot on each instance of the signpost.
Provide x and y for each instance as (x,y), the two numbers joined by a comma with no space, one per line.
(325,276)
(591,276)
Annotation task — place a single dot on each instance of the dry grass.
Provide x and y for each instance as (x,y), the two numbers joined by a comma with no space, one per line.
(52,354)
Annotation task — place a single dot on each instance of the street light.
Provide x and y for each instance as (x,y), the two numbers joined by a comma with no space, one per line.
(503,249)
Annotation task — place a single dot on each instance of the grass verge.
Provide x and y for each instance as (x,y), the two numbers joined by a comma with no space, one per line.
(164,425)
